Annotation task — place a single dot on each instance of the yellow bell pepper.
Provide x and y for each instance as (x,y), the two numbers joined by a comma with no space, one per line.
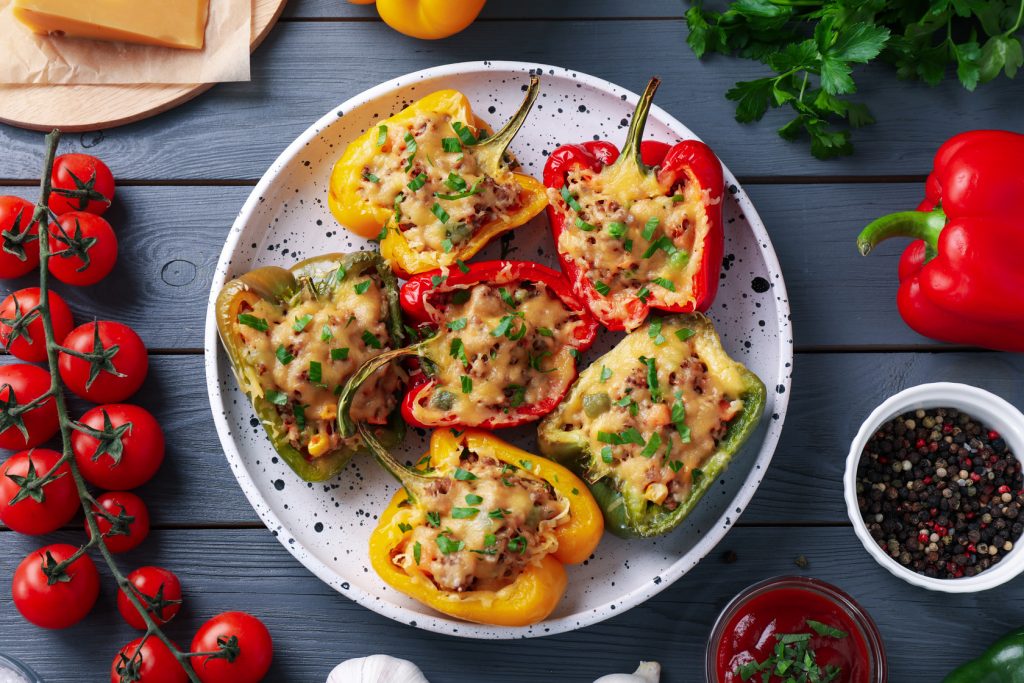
(533,595)
(376,217)
(427,19)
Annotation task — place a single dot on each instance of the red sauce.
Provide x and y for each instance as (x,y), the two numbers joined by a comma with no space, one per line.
(750,636)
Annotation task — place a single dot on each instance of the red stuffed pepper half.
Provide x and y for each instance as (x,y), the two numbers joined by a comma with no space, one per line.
(505,338)
(641,229)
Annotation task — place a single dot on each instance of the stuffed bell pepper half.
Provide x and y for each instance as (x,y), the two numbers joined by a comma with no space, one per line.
(482,529)
(433,184)
(503,346)
(654,422)
(294,336)
(641,229)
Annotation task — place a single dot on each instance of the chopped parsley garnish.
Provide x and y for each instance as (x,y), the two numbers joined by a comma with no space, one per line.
(570,200)
(518,394)
(584,226)
(447,546)
(497,513)
(517,544)
(826,630)
(283,355)
(545,332)
(526,464)
(476,189)
(464,133)
(300,323)
(467,384)
(679,420)
(417,182)
(627,245)
(458,350)
(339,354)
(370,177)
(505,327)
(370,340)
(434,518)
(382,135)
(326,334)
(629,435)
(457,324)
(438,280)
(253,322)
(506,297)
(535,361)
(653,444)
(416,551)
(606,454)
(446,245)
(601,287)
(404,528)
(473,499)
(684,333)
(463,475)
(300,416)
(662,282)
(643,294)
(649,227)
(654,332)
(793,657)
(464,513)
(462,265)
(455,182)
(606,373)
(361,287)
(663,243)
(652,378)
(438,211)
(399,198)
(316,372)
(675,465)
(616,229)
(451,145)
(410,143)
(275,397)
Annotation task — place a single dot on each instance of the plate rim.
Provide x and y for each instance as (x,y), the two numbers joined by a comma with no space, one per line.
(436,623)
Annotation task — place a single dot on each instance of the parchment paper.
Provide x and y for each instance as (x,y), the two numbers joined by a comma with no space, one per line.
(26,58)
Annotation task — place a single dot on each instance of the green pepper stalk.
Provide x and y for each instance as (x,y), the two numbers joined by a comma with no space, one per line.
(321,275)
(655,350)
(1002,662)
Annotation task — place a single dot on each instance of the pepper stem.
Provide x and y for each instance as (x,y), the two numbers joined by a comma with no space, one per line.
(492,150)
(346,427)
(413,482)
(635,134)
(922,225)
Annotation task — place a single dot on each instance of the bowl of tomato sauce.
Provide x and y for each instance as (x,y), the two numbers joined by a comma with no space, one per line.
(792,625)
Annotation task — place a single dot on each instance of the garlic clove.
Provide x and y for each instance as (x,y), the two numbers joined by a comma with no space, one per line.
(647,672)
(376,669)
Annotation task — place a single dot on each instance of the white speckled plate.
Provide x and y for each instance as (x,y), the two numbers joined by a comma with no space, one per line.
(326,526)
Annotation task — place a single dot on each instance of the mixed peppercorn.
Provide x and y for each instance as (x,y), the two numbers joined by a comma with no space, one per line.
(941,493)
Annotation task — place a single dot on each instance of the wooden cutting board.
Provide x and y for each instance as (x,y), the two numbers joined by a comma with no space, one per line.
(74,108)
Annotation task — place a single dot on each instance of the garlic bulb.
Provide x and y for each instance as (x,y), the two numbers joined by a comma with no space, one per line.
(376,669)
(647,672)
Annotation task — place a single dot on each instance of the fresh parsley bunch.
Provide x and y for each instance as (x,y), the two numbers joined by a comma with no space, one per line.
(812,47)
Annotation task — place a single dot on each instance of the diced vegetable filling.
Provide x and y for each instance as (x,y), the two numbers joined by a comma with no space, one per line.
(427,172)
(632,241)
(304,351)
(502,347)
(481,527)
(653,413)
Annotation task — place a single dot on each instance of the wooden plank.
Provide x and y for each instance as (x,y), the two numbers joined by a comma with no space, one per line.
(171,238)
(503,9)
(832,394)
(237,129)
(314,628)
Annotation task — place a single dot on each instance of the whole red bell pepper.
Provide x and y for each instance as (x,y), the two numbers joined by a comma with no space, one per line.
(427,300)
(687,172)
(961,280)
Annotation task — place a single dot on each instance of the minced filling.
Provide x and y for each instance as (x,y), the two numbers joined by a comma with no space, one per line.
(481,527)
(632,239)
(502,347)
(426,171)
(653,412)
(310,346)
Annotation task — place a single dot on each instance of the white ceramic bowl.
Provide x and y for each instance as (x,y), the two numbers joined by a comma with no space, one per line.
(986,407)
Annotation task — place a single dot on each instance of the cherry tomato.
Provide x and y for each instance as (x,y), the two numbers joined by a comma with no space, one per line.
(59,604)
(153,662)
(81,172)
(120,375)
(26,340)
(255,649)
(128,503)
(150,581)
(26,383)
(19,237)
(131,452)
(83,248)
(57,500)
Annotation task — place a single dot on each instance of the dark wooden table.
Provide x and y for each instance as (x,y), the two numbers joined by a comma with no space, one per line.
(184,175)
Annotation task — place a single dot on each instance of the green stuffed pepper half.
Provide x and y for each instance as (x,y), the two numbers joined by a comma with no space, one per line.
(294,336)
(653,423)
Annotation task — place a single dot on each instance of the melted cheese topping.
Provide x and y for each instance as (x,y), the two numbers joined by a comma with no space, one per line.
(337,332)
(628,233)
(481,533)
(655,441)
(441,198)
(515,350)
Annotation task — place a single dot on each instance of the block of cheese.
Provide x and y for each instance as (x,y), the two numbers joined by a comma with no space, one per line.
(168,23)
